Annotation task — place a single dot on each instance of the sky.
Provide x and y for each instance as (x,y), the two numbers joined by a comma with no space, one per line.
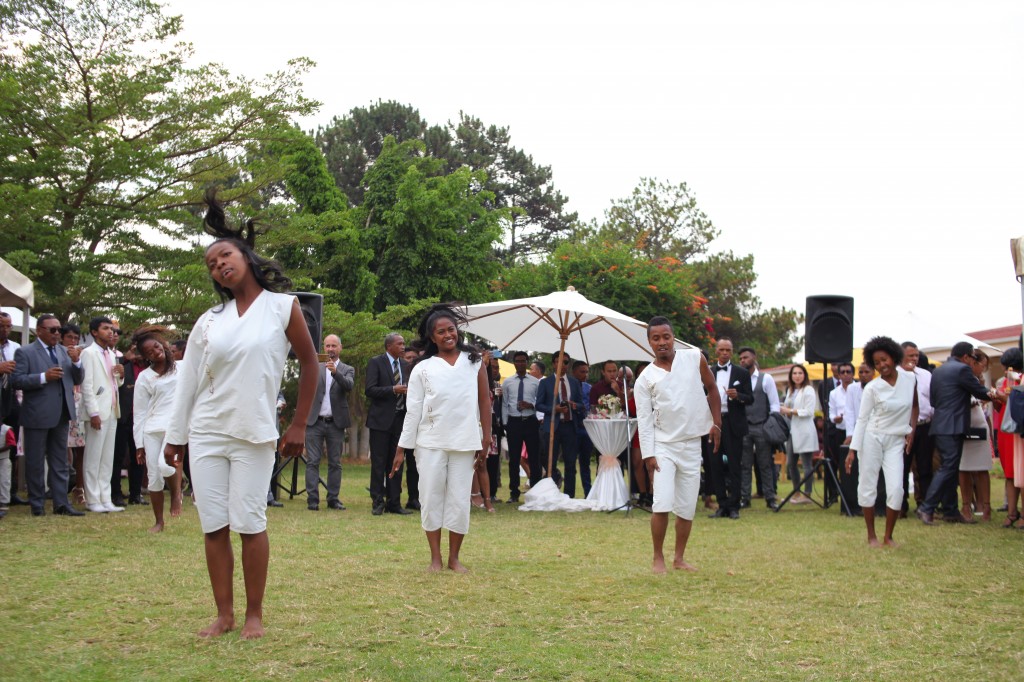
(867,149)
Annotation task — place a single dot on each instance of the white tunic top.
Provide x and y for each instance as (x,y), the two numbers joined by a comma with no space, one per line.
(884,408)
(671,406)
(153,402)
(442,406)
(231,373)
(802,432)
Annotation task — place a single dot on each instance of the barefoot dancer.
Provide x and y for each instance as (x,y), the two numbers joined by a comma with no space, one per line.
(448,394)
(225,409)
(673,413)
(154,398)
(884,431)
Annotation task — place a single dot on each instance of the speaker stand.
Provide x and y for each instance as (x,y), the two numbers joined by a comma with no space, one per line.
(831,473)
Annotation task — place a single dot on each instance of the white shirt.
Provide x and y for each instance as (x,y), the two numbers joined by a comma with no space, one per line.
(885,409)
(853,396)
(770,389)
(722,379)
(925,411)
(671,406)
(442,406)
(152,403)
(510,396)
(230,375)
(837,405)
(325,406)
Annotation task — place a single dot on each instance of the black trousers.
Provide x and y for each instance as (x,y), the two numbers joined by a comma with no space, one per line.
(728,477)
(921,452)
(382,457)
(124,458)
(521,431)
(412,474)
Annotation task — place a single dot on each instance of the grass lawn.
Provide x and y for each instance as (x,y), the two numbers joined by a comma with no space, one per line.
(552,596)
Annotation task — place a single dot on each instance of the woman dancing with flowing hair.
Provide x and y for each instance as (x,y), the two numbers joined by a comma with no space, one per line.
(448,423)
(153,400)
(225,409)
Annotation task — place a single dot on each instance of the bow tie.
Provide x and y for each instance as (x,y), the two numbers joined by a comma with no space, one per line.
(719,368)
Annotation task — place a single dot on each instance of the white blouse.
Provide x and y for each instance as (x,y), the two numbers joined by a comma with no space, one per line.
(885,409)
(231,373)
(153,402)
(442,406)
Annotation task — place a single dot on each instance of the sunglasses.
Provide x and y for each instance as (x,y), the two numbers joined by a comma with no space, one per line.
(50,329)
(845,371)
(116,331)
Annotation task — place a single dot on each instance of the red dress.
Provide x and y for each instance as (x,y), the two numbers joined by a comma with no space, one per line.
(1003,440)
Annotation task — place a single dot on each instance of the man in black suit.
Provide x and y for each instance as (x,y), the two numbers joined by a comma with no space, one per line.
(563,411)
(386,378)
(953,386)
(736,393)
(833,442)
(46,373)
(328,419)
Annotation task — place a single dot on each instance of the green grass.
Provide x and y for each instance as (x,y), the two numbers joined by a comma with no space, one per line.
(789,596)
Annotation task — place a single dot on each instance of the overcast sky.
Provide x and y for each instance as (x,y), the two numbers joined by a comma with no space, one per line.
(870,149)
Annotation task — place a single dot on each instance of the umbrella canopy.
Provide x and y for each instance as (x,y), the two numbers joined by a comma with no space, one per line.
(539,324)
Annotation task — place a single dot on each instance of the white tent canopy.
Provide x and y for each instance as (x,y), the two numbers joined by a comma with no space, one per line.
(931,336)
(16,291)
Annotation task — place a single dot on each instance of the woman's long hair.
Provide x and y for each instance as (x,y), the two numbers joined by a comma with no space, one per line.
(268,273)
(439,311)
(159,334)
(807,379)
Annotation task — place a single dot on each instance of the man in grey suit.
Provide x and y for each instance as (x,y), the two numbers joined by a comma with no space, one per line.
(953,386)
(327,422)
(46,373)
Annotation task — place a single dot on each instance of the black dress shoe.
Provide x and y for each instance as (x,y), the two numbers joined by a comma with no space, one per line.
(67,511)
(274,503)
(744,504)
(719,514)
(378,508)
(15,500)
(734,514)
(413,505)
(313,507)
(136,499)
(336,504)
(117,501)
(399,511)
(38,512)
(512,500)
(773,505)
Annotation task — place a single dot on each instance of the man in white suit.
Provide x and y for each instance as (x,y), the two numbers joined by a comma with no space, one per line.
(103,375)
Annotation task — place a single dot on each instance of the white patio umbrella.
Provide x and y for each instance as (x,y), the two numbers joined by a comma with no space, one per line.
(568,319)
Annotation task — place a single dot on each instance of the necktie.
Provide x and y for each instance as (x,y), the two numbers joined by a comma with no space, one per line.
(53,356)
(3,358)
(562,398)
(720,368)
(396,379)
(519,397)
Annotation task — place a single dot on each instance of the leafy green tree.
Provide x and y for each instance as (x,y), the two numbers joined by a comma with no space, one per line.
(110,139)
(432,235)
(660,219)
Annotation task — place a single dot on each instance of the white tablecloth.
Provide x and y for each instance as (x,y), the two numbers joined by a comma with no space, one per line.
(610,437)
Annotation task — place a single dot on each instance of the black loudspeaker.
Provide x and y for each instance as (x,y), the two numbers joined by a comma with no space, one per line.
(828,329)
(312,306)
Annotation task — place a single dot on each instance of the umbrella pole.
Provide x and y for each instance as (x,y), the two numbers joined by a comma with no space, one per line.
(554,397)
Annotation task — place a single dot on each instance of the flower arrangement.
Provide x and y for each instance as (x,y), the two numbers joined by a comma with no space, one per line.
(610,405)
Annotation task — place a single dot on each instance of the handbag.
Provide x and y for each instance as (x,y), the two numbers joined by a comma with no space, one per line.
(776,429)
(976,433)
(1015,408)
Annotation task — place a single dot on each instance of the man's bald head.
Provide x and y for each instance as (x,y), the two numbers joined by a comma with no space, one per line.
(332,346)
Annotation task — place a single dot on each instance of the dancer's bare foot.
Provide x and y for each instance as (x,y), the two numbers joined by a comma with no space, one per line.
(253,628)
(889,542)
(681,565)
(176,505)
(873,542)
(157,528)
(435,566)
(457,566)
(658,565)
(218,627)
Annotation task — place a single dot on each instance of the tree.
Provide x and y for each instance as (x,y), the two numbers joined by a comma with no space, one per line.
(111,139)
(660,219)
(432,235)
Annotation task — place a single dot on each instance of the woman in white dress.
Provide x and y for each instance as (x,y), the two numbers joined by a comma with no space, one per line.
(799,406)
(976,461)
(448,394)
(226,410)
(153,400)
(883,434)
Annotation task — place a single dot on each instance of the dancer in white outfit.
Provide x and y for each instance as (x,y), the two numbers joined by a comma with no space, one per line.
(673,414)
(153,400)
(226,410)
(448,393)
(884,432)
